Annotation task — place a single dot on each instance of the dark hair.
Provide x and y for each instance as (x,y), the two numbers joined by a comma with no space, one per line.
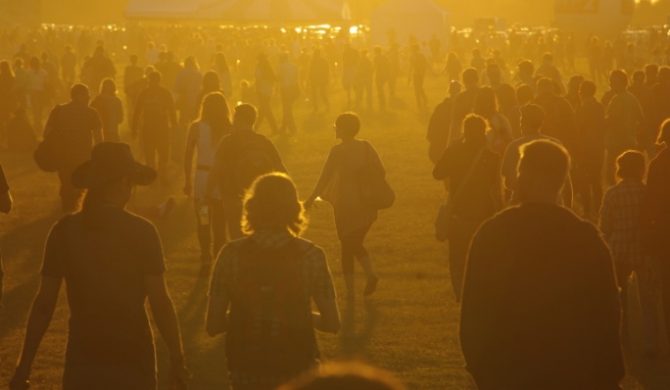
(470,77)
(210,82)
(272,202)
(588,88)
(215,112)
(619,79)
(486,102)
(348,124)
(631,164)
(245,114)
(79,91)
(474,129)
(533,116)
(545,160)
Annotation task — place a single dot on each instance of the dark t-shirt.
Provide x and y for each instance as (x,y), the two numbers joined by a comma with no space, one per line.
(155,106)
(75,125)
(540,303)
(104,256)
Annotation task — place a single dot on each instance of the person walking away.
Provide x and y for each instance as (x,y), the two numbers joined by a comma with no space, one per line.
(289,88)
(75,128)
(540,306)
(349,72)
(559,119)
(499,133)
(472,170)
(111,262)
(364,74)
(110,110)
(590,154)
(133,76)
(464,103)
(154,123)
(210,84)
(265,87)
(187,83)
(418,68)
(656,218)
(340,184)
(8,98)
(241,157)
(382,76)
(623,118)
(263,287)
(6,203)
(38,91)
(223,71)
(203,138)
(439,125)
(68,66)
(319,78)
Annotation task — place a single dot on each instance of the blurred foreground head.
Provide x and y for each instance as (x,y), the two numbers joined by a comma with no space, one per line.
(345,376)
(542,171)
(272,204)
(79,94)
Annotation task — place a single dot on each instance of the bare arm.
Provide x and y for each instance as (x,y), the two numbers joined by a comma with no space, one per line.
(38,323)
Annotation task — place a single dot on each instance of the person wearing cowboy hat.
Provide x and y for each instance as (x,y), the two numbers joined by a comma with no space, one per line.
(111,261)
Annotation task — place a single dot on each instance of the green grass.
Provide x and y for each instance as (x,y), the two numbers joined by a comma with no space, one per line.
(408,327)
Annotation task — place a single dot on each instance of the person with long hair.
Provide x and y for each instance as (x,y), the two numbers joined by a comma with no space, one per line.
(263,287)
(110,110)
(210,83)
(500,131)
(340,184)
(203,138)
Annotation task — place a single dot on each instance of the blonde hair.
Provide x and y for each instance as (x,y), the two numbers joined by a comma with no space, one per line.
(272,202)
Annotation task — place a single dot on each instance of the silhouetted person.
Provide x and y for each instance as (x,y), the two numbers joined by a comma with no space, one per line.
(382,76)
(289,88)
(68,65)
(265,86)
(263,287)
(240,158)
(548,70)
(656,217)
(8,97)
(590,153)
(223,71)
(559,119)
(464,103)
(75,127)
(472,170)
(203,138)
(349,69)
(352,376)
(623,117)
(210,84)
(319,77)
(573,95)
(154,123)
(454,67)
(540,306)
(418,69)
(340,185)
(132,81)
(110,110)
(499,133)
(38,91)
(111,262)
(659,109)
(6,202)
(97,68)
(364,78)
(187,86)
(439,126)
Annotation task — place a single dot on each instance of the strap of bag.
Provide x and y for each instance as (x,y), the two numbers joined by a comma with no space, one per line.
(468,176)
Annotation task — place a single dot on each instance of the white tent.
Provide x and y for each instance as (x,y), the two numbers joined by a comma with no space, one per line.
(408,18)
(245,11)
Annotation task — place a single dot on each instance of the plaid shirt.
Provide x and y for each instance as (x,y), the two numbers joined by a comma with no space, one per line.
(620,221)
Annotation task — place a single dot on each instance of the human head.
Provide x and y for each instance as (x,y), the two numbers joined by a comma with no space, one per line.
(244,117)
(532,119)
(215,110)
(664,133)
(79,94)
(35,63)
(638,77)
(486,103)
(470,78)
(542,171)
(631,165)
(454,88)
(338,376)
(272,203)
(190,63)
(493,73)
(5,68)
(154,78)
(545,87)
(664,75)
(474,129)
(107,87)
(618,80)
(526,69)
(548,59)
(347,125)
(524,94)
(210,81)
(587,89)
(574,84)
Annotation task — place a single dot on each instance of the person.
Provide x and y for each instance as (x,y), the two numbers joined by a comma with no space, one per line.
(6,203)
(472,170)
(38,91)
(656,217)
(439,125)
(532,121)
(623,118)
(382,75)
(350,376)
(559,119)
(418,69)
(499,133)
(132,81)
(289,87)
(97,68)
(8,98)
(349,71)
(203,138)
(111,262)
(223,71)
(464,103)
(548,70)
(454,66)
(154,121)
(590,154)
(262,289)
(241,157)
(77,128)
(110,110)
(340,184)
(319,77)
(187,85)
(363,80)
(210,84)
(540,306)
(265,86)
(20,133)
(68,65)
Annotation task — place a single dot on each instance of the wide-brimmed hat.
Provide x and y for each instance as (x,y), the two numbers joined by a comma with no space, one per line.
(111,161)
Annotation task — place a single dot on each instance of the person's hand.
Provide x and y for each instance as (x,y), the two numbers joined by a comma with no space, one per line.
(179,376)
(19,380)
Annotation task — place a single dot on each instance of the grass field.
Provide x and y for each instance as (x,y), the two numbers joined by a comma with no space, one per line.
(408,327)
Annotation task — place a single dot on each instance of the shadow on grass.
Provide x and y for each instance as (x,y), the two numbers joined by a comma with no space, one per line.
(354,341)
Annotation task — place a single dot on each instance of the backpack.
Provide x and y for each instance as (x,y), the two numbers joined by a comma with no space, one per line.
(375,191)
(252,160)
(270,330)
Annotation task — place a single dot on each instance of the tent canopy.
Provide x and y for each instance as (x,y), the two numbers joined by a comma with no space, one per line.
(418,18)
(249,11)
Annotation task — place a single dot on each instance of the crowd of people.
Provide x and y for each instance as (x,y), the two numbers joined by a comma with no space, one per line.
(557,196)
